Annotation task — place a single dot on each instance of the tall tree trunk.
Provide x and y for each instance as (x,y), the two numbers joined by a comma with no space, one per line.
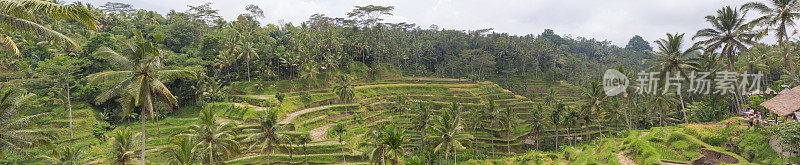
(537,139)
(344,156)
(141,117)
(790,61)
(211,153)
(600,125)
(557,134)
(508,135)
(569,135)
(490,127)
(683,109)
(69,106)
(269,153)
(248,70)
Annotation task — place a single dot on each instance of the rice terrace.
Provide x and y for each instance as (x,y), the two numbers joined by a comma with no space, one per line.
(414,82)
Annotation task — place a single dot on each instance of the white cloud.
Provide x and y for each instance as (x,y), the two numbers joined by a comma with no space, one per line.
(614,20)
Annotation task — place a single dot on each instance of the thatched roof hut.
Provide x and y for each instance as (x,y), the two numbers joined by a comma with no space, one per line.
(786,103)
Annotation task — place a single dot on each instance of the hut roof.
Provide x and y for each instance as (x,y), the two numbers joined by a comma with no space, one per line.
(786,103)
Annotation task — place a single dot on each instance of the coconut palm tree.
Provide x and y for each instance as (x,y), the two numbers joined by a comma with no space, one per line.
(448,134)
(344,89)
(421,121)
(183,151)
(304,140)
(401,105)
(26,17)
(586,117)
(508,120)
(140,84)
(491,113)
(778,15)
(594,99)
(550,97)
(123,146)
(572,118)
(536,119)
(671,59)
(247,52)
(663,104)
(215,140)
(15,135)
(266,135)
(64,156)
(339,130)
(386,143)
(728,33)
(557,118)
(292,140)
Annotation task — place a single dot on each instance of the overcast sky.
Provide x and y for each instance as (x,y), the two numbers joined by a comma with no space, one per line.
(614,20)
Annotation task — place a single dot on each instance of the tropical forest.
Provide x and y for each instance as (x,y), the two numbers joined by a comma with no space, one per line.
(219,82)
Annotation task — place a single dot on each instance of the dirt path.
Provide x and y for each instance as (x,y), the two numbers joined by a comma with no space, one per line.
(437,79)
(318,134)
(625,160)
(256,108)
(402,85)
(263,97)
(291,116)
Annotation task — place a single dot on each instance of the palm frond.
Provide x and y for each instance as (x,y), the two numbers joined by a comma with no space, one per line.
(14,24)
(23,8)
(112,56)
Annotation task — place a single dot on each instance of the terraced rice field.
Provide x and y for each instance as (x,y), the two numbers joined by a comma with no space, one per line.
(316,113)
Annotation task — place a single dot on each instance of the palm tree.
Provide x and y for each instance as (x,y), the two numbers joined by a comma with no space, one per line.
(491,113)
(247,52)
(448,133)
(183,151)
(344,89)
(586,117)
(386,143)
(401,104)
(508,121)
(339,131)
(594,102)
(304,140)
(64,156)
(141,83)
(663,103)
(556,118)
(292,140)
(25,17)
(779,15)
(571,118)
(14,133)
(123,146)
(551,96)
(224,61)
(672,59)
(214,139)
(729,33)
(421,121)
(309,71)
(536,119)
(266,135)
